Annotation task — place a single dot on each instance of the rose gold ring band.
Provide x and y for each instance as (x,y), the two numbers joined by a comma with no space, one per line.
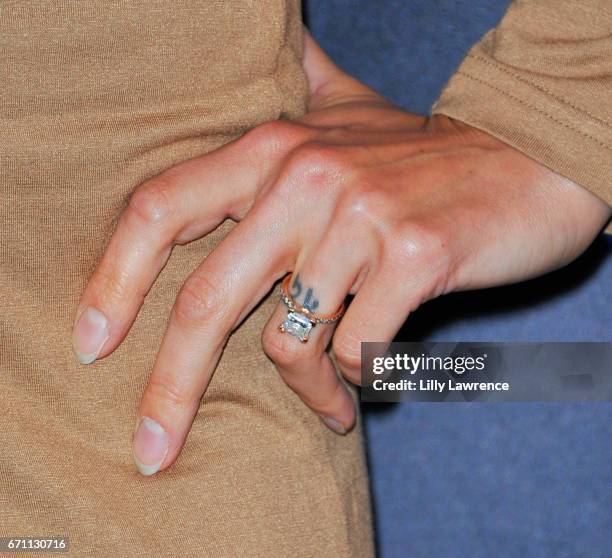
(314,317)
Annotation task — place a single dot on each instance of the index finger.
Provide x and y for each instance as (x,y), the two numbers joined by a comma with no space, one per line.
(180,205)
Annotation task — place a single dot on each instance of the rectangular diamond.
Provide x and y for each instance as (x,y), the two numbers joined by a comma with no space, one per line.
(297,325)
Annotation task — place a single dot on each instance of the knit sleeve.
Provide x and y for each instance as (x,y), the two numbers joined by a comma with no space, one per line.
(541,81)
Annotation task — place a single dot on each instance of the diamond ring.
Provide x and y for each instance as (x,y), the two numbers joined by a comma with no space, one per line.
(300,321)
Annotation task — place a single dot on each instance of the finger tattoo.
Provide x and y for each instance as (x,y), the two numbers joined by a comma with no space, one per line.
(309,302)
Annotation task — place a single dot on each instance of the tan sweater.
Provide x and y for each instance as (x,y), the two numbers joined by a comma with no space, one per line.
(95,97)
(542,82)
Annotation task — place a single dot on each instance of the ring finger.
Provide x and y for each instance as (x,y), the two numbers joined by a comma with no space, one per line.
(320,283)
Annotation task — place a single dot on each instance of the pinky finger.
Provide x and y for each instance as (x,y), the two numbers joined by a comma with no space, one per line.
(378,311)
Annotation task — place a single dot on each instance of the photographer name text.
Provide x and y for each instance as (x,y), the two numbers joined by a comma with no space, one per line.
(439,386)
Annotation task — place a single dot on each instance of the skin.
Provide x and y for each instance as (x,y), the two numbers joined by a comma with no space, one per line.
(357,197)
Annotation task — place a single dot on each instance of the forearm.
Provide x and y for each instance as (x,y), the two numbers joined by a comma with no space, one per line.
(542,82)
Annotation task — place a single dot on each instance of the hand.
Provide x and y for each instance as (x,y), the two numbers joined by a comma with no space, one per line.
(356,197)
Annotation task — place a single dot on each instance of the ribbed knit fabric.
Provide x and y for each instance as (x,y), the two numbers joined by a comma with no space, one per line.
(542,82)
(95,97)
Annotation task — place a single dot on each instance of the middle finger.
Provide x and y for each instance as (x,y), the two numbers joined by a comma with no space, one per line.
(212,301)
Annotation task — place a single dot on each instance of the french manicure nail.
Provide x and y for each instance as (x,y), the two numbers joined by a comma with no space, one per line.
(90,334)
(150,446)
(333,424)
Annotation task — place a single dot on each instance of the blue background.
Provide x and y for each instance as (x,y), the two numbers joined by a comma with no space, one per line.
(478,480)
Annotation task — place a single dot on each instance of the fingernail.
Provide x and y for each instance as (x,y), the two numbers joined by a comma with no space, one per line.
(150,446)
(90,334)
(333,424)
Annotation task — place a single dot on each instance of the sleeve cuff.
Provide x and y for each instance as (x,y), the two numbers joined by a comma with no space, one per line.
(523,114)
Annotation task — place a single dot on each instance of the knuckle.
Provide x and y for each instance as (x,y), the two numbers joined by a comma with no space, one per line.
(417,241)
(273,135)
(348,354)
(367,205)
(198,302)
(284,350)
(423,247)
(114,286)
(151,202)
(318,162)
(166,393)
